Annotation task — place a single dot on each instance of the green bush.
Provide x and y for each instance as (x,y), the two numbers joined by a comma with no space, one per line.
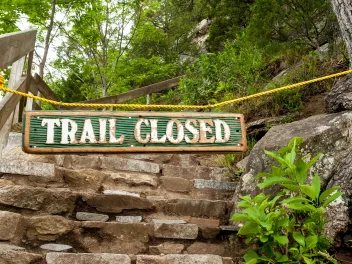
(289,227)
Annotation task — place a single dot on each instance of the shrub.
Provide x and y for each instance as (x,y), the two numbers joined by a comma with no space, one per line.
(289,227)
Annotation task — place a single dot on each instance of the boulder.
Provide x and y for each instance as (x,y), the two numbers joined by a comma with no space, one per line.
(340,97)
(329,134)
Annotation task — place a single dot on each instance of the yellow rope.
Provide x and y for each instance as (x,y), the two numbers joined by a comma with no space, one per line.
(178,107)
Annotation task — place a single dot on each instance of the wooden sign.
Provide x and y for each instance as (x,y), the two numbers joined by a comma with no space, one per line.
(77,131)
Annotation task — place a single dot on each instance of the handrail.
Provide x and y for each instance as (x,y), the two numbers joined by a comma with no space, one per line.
(14,46)
(134,94)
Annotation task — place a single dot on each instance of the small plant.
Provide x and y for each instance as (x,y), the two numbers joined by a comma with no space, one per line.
(287,228)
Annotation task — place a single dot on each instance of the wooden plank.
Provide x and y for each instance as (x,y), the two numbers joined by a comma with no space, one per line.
(26,101)
(14,46)
(108,132)
(136,93)
(45,90)
(9,103)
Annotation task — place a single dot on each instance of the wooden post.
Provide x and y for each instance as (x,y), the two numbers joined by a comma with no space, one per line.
(149,99)
(15,77)
(26,101)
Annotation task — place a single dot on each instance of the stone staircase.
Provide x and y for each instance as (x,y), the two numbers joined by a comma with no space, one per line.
(105,209)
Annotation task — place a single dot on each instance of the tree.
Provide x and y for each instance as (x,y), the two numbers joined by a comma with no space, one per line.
(343,11)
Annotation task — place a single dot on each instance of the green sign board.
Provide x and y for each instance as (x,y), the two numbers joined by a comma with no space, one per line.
(111,132)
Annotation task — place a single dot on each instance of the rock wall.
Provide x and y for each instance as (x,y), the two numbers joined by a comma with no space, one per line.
(116,208)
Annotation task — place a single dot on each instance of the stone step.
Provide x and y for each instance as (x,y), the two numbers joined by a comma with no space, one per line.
(179,259)
(197,208)
(196,172)
(19,257)
(24,167)
(82,258)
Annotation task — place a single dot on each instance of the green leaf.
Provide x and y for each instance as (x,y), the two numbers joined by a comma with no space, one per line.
(332,198)
(302,207)
(311,241)
(274,180)
(282,240)
(291,187)
(327,192)
(239,217)
(263,238)
(278,158)
(307,260)
(316,185)
(295,200)
(251,254)
(309,191)
(314,160)
(248,229)
(299,238)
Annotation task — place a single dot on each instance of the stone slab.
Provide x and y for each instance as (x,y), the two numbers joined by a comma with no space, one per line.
(56,247)
(116,203)
(197,208)
(11,226)
(117,192)
(175,184)
(84,216)
(10,247)
(166,248)
(179,259)
(87,258)
(176,231)
(19,257)
(216,185)
(48,228)
(23,167)
(168,221)
(135,178)
(53,200)
(209,222)
(129,219)
(121,164)
(206,248)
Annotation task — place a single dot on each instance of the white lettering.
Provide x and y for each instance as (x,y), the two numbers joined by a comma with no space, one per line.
(169,131)
(227,132)
(154,132)
(137,131)
(88,132)
(204,129)
(65,133)
(102,130)
(112,124)
(50,129)
(193,130)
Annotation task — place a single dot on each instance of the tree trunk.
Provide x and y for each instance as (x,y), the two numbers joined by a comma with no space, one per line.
(47,39)
(343,11)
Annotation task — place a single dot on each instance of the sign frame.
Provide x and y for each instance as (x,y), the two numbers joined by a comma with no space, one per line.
(241,147)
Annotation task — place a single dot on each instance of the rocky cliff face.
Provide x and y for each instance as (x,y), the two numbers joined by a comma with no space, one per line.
(330,134)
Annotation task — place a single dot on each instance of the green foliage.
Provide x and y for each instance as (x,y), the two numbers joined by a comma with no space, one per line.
(287,227)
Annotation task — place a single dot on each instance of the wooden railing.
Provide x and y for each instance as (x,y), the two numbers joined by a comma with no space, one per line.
(17,49)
